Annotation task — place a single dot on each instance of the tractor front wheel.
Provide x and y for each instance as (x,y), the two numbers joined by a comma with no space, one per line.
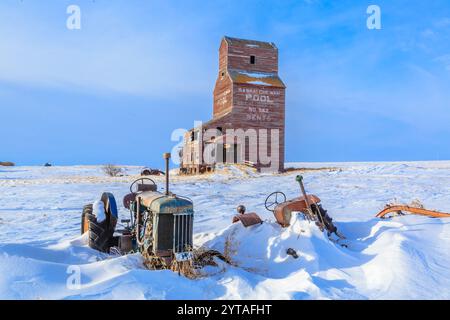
(100,233)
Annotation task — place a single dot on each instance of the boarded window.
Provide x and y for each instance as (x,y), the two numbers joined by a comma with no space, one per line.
(194,135)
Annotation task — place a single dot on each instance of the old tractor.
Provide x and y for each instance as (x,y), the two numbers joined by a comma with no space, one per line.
(160,227)
(309,206)
(306,204)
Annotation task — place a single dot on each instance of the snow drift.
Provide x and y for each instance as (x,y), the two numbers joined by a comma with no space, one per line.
(401,258)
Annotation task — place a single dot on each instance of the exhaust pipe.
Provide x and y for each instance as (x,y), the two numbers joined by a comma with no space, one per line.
(166,156)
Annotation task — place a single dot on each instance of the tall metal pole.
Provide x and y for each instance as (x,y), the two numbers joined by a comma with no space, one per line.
(167,157)
(302,188)
(309,213)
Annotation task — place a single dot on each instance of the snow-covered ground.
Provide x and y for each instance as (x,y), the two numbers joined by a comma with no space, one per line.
(404,257)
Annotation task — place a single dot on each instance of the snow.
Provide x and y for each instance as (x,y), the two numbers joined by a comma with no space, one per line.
(401,258)
(257,75)
(262,83)
(98,210)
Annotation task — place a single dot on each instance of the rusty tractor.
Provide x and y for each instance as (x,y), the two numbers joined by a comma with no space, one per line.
(309,205)
(160,227)
(306,204)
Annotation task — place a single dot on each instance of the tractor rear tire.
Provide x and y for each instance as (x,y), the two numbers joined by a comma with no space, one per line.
(100,233)
(84,218)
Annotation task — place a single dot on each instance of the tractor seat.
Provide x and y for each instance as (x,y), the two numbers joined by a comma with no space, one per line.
(146,187)
(128,199)
(247,219)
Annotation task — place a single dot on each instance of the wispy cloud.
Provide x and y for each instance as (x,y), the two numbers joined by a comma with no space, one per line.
(444,60)
(111,53)
(364,84)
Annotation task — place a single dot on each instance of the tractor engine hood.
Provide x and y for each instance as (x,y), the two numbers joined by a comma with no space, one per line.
(161,203)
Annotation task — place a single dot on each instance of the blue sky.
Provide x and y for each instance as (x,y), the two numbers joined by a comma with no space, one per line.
(137,70)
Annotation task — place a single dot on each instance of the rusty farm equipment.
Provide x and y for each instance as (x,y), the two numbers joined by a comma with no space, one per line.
(309,205)
(160,227)
(306,204)
(151,172)
(247,219)
(398,209)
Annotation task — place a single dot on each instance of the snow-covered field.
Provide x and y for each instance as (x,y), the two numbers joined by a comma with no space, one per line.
(405,257)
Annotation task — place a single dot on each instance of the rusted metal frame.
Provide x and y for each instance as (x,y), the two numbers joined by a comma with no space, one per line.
(413,210)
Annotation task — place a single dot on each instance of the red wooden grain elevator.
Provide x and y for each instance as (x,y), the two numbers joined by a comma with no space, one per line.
(248,96)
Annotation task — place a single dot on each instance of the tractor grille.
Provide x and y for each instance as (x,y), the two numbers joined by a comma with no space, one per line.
(182,232)
(165,232)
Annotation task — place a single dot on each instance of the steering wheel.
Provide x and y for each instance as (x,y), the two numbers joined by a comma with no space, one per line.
(272,200)
(142,181)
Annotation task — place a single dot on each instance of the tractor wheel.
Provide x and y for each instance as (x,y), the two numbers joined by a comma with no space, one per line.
(100,233)
(87,210)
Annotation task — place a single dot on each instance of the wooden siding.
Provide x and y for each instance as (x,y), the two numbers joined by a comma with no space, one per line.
(245,105)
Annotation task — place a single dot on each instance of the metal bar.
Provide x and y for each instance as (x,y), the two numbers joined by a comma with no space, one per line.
(167,157)
(179,232)
(174,234)
(190,231)
(310,214)
(187,231)
(302,188)
(182,233)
